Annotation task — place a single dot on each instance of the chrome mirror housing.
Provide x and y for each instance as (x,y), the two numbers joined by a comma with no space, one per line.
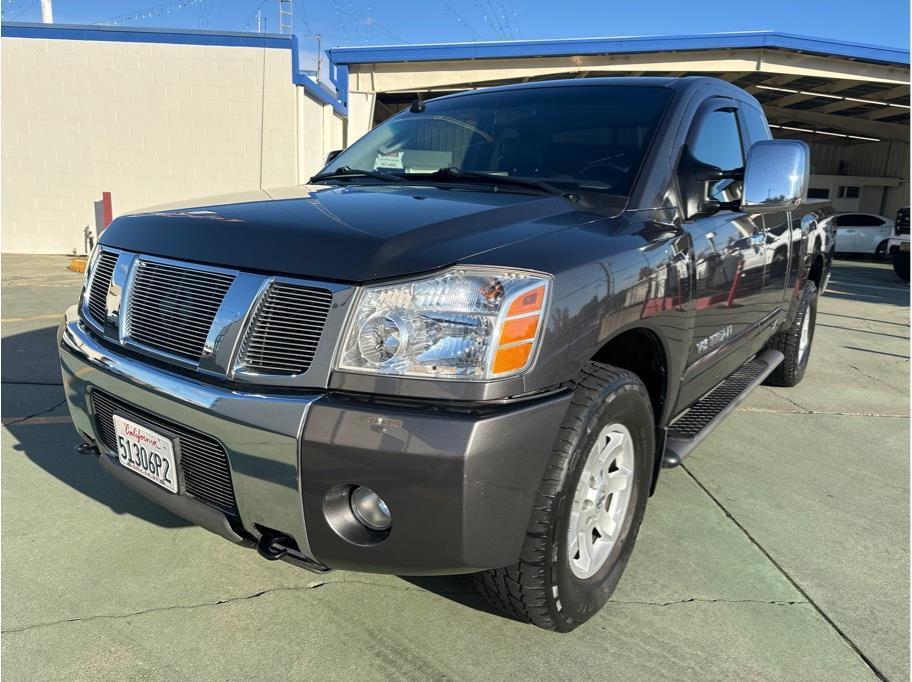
(775,176)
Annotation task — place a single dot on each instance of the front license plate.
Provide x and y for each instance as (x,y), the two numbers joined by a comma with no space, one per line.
(147,453)
(904,246)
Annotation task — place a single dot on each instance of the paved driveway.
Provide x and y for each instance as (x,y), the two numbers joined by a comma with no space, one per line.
(780,550)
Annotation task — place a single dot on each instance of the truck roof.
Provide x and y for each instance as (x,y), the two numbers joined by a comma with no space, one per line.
(679,83)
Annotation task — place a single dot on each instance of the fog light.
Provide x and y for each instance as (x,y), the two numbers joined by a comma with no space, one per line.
(369,509)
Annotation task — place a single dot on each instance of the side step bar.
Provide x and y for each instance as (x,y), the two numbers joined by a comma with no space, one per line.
(689,430)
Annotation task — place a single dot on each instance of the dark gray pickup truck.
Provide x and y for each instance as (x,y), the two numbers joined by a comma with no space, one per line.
(469,345)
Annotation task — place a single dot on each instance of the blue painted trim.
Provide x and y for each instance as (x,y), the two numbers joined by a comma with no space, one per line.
(179,37)
(122,34)
(624,45)
(313,88)
(339,77)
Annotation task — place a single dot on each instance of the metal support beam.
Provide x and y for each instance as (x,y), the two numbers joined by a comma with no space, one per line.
(419,75)
(880,96)
(886,112)
(832,88)
(847,124)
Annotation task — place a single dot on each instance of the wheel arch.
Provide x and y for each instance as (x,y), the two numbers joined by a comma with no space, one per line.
(816,266)
(625,350)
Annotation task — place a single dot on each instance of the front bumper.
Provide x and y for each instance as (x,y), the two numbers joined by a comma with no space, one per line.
(896,243)
(460,484)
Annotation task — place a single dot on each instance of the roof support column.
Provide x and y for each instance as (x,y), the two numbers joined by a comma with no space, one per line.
(360,115)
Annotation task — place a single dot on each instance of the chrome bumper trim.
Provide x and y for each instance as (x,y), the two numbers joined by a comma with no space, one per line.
(260,433)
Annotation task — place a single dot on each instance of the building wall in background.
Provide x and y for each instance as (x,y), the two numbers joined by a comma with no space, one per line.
(151,122)
(880,169)
(322,131)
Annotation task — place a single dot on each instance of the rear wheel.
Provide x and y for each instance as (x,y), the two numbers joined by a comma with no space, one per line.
(589,506)
(901,264)
(795,341)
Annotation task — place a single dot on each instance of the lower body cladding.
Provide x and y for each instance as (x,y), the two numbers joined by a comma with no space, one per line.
(459,486)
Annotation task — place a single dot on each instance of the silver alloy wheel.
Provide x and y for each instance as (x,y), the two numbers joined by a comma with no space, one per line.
(805,339)
(601,501)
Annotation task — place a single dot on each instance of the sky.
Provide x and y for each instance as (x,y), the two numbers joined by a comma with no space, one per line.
(385,22)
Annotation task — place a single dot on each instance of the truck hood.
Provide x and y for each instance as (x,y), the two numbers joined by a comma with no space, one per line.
(350,233)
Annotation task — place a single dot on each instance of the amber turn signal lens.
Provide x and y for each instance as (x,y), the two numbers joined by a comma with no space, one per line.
(529,302)
(517,335)
(520,329)
(512,358)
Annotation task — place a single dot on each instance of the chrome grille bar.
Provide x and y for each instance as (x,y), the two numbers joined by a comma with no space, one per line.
(101,280)
(286,329)
(171,308)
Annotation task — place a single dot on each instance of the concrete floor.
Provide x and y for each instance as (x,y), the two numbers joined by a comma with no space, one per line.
(780,551)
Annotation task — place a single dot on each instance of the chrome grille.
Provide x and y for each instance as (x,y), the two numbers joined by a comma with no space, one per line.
(286,329)
(101,280)
(203,461)
(171,308)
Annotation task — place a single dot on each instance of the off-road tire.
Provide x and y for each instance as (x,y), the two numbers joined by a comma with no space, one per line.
(541,588)
(900,264)
(791,370)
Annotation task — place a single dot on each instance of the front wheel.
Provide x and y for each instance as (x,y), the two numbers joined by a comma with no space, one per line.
(901,264)
(880,253)
(589,506)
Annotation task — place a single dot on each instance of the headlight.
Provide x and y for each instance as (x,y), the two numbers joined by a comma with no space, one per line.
(469,324)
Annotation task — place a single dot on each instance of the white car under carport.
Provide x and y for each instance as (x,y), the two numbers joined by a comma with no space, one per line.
(864,233)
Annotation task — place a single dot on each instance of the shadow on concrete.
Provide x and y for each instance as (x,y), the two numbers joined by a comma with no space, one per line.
(867,281)
(456,588)
(30,357)
(821,313)
(877,352)
(862,331)
(47,437)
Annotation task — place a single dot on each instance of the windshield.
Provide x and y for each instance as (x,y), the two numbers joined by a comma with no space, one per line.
(584,138)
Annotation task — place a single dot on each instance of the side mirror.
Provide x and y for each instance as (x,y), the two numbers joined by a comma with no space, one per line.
(333,154)
(776,176)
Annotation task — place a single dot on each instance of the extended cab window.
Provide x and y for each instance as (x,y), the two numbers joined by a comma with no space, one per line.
(718,143)
(573,137)
(755,124)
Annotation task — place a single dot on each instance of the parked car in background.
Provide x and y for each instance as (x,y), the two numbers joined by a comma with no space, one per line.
(898,246)
(864,233)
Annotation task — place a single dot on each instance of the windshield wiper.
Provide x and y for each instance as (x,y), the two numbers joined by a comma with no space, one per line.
(456,175)
(349,172)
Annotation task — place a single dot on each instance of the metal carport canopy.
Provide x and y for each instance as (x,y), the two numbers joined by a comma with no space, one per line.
(807,85)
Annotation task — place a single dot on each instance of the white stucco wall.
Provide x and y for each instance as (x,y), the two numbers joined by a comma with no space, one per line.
(149,122)
(322,131)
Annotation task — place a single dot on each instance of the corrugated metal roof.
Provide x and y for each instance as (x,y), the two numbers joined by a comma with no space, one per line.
(617,45)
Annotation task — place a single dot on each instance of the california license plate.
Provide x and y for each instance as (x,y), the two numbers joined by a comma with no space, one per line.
(146,452)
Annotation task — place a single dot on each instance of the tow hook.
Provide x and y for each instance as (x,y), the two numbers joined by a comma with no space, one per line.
(86,449)
(273,546)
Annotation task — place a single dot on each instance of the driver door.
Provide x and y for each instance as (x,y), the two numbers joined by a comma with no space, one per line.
(728,251)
